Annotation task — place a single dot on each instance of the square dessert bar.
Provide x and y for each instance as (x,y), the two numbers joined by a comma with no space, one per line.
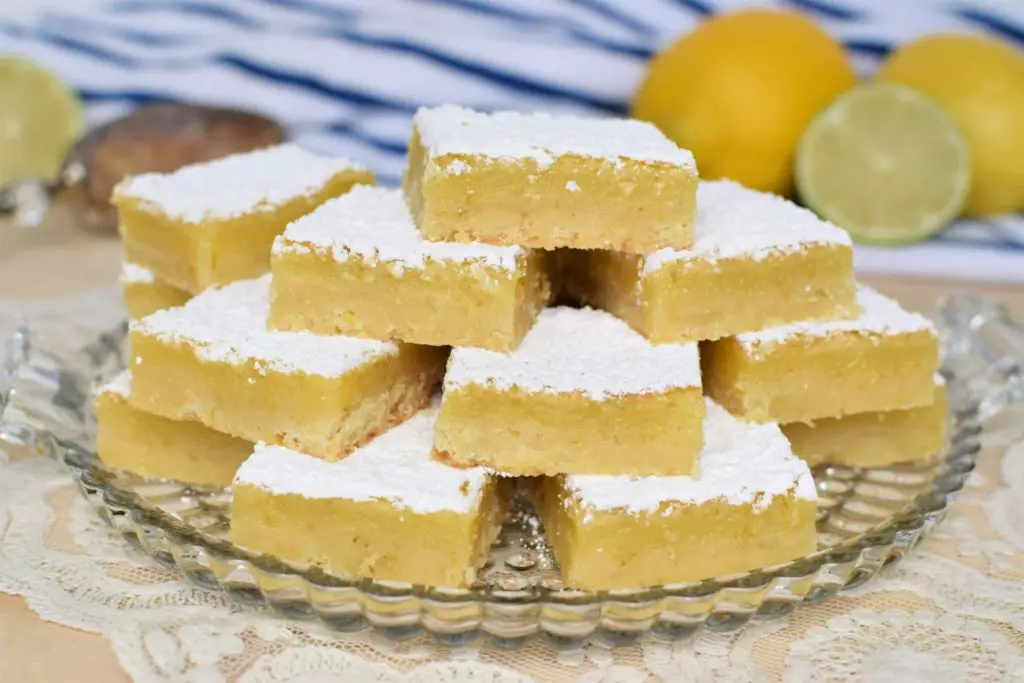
(876,438)
(153,446)
(388,511)
(757,261)
(358,266)
(882,359)
(213,223)
(548,181)
(583,393)
(144,294)
(753,505)
(213,360)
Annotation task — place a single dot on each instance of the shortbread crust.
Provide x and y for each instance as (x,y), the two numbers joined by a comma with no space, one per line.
(214,222)
(753,505)
(883,359)
(388,511)
(144,294)
(214,360)
(876,438)
(548,181)
(757,261)
(153,446)
(358,266)
(582,393)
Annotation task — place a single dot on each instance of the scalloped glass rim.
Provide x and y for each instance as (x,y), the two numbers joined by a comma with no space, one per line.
(44,404)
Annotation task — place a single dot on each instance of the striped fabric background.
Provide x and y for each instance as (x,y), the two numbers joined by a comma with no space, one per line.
(346,75)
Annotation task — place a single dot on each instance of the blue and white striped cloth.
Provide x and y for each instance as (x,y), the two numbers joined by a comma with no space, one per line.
(346,75)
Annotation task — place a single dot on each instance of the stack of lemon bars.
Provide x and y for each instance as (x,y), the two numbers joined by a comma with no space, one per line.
(552,302)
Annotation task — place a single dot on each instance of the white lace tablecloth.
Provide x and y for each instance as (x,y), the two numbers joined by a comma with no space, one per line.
(952,611)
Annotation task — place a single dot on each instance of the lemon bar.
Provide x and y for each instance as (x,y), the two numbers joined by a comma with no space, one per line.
(153,446)
(876,438)
(214,361)
(757,261)
(387,512)
(358,266)
(213,223)
(544,181)
(753,505)
(144,294)
(882,359)
(583,393)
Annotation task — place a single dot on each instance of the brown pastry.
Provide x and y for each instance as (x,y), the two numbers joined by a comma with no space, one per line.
(157,137)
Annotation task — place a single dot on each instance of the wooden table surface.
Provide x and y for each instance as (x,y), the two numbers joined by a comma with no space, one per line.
(63,261)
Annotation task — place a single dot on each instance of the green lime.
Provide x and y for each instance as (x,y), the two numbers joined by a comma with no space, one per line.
(886,163)
(40,119)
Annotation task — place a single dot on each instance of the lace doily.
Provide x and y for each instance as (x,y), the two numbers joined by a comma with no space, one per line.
(951,611)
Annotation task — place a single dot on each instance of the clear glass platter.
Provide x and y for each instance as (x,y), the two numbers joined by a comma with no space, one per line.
(867,518)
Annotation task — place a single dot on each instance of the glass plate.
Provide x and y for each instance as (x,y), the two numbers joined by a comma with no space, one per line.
(867,518)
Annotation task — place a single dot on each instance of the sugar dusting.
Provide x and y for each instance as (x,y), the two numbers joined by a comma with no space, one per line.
(742,463)
(543,137)
(579,350)
(228,325)
(121,385)
(374,224)
(396,466)
(879,315)
(733,221)
(134,274)
(236,185)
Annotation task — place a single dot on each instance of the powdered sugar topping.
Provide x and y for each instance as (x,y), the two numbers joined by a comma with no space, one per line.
(579,350)
(374,224)
(543,137)
(236,185)
(733,221)
(456,167)
(742,463)
(228,325)
(396,467)
(133,274)
(121,385)
(879,315)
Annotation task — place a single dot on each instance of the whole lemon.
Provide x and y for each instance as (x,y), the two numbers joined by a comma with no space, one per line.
(740,89)
(980,82)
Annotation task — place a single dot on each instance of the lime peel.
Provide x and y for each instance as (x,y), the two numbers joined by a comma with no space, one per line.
(886,163)
(40,119)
